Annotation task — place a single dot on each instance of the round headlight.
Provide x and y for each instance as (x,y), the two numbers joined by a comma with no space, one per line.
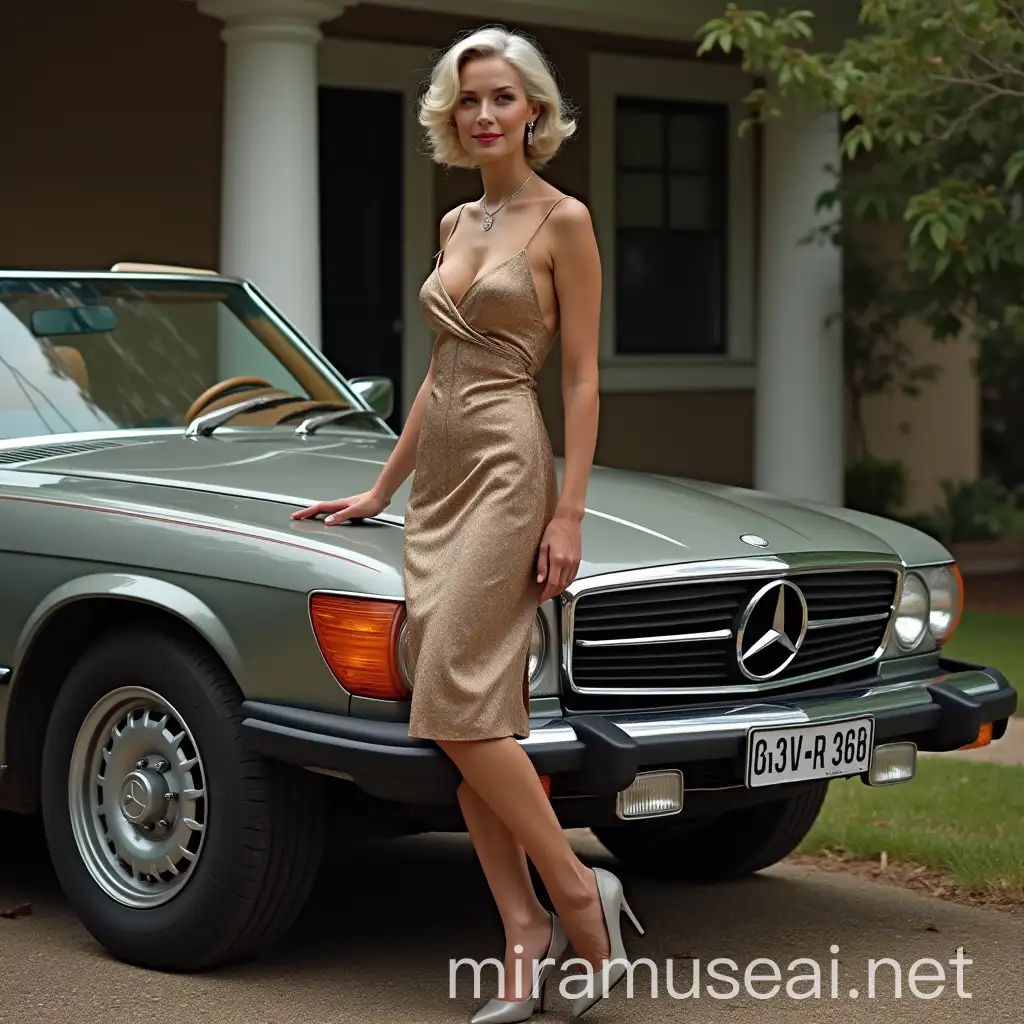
(912,612)
(538,647)
(944,589)
(404,658)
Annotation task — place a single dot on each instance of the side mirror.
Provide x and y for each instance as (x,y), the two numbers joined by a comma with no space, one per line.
(377,392)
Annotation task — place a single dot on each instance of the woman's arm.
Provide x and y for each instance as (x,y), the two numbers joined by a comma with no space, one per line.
(577,278)
(398,467)
(400,463)
(402,460)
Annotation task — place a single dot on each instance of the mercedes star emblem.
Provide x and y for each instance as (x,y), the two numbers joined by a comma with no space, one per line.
(133,800)
(772,630)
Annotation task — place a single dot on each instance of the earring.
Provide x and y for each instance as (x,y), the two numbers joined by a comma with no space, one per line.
(529,134)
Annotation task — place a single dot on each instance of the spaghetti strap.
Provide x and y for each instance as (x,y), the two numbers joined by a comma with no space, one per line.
(458,217)
(541,224)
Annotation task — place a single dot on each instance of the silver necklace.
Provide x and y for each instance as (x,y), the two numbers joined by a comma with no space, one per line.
(489,217)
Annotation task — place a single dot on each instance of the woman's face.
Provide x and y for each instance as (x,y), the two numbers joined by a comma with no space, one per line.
(492,111)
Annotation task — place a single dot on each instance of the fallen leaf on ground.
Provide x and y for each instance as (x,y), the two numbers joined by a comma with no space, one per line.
(18,910)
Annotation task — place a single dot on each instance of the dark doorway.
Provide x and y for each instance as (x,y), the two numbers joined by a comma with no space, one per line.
(361,235)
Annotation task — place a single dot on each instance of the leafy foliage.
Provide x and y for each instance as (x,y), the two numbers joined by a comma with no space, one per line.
(877,358)
(974,510)
(931,99)
(939,87)
(1001,375)
(878,486)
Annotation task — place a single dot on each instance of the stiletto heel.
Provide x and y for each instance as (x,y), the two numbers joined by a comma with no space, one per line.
(631,916)
(516,1011)
(613,902)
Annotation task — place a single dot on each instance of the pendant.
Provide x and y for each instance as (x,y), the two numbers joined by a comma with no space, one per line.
(488,221)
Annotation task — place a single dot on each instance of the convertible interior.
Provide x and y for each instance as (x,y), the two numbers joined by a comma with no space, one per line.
(154,355)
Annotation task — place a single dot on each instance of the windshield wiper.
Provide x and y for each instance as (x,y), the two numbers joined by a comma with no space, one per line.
(309,426)
(205,425)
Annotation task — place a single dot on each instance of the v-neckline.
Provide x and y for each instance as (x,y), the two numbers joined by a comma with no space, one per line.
(472,284)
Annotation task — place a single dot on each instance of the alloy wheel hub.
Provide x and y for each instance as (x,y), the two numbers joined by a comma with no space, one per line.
(144,797)
(138,799)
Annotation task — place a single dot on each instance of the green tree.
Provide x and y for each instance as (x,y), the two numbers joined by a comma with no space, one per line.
(935,89)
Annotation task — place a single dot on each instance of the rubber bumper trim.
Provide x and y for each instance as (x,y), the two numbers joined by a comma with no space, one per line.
(601,755)
(380,756)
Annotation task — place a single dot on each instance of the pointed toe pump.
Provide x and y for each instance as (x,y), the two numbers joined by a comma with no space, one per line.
(515,1011)
(613,902)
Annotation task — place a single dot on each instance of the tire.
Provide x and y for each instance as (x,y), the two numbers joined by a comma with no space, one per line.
(736,844)
(229,884)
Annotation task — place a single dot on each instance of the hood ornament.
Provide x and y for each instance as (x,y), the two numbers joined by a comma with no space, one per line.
(754,540)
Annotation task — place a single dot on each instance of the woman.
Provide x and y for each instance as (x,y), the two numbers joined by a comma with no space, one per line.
(488,536)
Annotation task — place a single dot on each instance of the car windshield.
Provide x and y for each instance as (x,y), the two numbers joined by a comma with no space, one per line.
(106,353)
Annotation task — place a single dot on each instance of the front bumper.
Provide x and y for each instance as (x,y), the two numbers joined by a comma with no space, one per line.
(600,755)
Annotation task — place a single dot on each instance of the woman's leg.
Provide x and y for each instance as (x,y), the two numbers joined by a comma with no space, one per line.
(524,918)
(502,775)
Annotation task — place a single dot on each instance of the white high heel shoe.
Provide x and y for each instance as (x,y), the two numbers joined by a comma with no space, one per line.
(515,1011)
(613,902)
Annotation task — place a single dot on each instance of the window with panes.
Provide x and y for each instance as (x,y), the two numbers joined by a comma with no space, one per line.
(671,182)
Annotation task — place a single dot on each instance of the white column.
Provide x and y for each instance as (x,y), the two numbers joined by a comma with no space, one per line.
(270,227)
(800,424)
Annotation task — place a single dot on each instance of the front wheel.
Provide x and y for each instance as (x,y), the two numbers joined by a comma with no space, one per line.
(735,844)
(178,848)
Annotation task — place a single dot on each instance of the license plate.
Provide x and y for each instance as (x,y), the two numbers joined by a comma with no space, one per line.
(807,752)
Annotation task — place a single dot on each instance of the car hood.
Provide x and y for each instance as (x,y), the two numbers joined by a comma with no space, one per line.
(632,519)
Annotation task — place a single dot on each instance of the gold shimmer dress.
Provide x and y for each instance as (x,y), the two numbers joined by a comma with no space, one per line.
(483,491)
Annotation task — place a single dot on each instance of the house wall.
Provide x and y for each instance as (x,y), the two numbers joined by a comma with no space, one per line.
(111,134)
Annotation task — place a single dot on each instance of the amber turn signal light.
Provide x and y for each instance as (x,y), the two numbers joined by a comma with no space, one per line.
(358,638)
(983,739)
(545,781)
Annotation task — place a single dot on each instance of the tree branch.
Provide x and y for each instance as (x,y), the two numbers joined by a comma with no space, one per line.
(981,83)
(1013,11)
(973,47)
(967,116)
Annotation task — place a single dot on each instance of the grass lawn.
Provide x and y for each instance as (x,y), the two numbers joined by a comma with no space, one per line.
(963,819)
(995,639)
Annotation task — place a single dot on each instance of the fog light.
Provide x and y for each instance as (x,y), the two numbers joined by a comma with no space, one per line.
(651,795)
(892,763)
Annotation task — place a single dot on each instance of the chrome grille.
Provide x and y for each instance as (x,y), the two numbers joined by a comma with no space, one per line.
(679,637)
(832,595)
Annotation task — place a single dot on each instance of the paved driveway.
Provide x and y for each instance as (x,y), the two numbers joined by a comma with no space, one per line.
(375,943)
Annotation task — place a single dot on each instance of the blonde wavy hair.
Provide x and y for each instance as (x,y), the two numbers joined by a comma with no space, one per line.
(437,106)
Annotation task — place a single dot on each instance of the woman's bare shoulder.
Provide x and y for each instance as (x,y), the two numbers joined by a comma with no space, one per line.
(570,220)
(448,222)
